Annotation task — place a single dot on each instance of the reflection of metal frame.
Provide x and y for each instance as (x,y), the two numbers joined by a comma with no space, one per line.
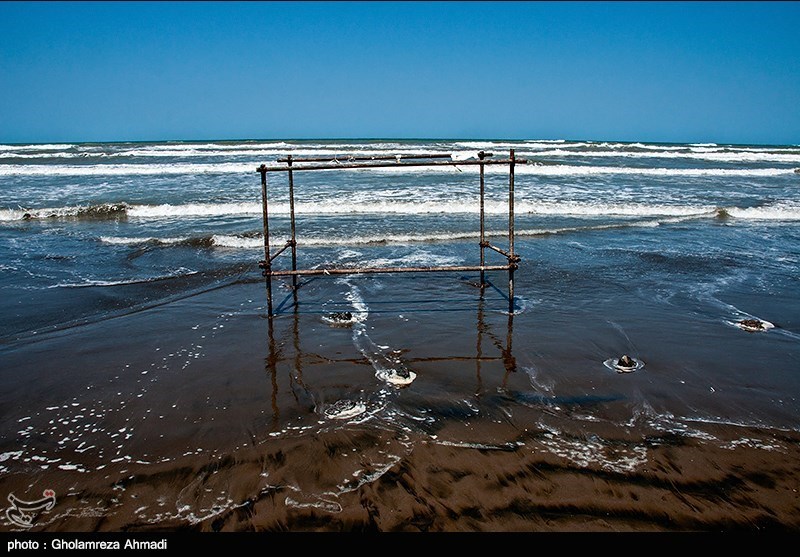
(393,161)
(295,362)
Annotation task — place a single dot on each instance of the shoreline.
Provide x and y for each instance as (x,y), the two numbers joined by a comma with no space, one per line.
(190,415)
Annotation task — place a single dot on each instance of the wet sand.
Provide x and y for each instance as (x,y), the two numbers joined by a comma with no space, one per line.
(196,414)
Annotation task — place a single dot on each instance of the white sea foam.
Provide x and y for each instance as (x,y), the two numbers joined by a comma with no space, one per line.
(196,210)
(664,214)
(215,146)
(10,454)
(320,503)
(268,149)
(49,155)
(533,169)
(128,241)
(247,168)
(365,208)
(774,212)
(344,409)
(510,446)
(257,242)
(421,208)
(361,310)
(89,282)
(35,147)
(230,241)
(718,156)
(587,453)
(126,169)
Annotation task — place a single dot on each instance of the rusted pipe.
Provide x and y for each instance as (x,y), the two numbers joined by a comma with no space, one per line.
(280,251)
(511,256)
(481,156)
(360,270)
(267,260)
(367,158)
(291,211)
(389,165)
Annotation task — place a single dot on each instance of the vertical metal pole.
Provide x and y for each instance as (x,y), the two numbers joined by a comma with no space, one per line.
(294,239)
(272,368)
(265,215)
(297,375)
(509,361)
(479,344)
(511,259)
(483,234)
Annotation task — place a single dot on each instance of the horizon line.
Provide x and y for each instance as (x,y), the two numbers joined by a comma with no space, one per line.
(377,138)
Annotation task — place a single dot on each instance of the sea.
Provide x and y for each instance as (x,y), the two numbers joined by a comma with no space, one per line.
(658,251)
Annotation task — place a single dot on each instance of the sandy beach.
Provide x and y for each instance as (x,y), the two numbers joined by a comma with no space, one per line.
(191,414)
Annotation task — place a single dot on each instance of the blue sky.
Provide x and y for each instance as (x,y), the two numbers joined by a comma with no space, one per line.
(629,71)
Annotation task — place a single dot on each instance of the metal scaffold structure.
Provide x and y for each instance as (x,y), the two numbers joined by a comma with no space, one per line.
(291,165)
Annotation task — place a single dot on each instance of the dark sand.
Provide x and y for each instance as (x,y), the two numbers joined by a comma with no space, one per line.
(191,415)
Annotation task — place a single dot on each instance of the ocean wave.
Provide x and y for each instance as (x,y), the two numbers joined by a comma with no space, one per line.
(255,240)
(229,148)
(116,210)
(263,153)
(122,209)
(178,273)
(246,168)
(99,211)
(37,147)
(241,242)
(542,169)
(132,241)
(505,145)
(58,155)
(145,152)
(202,210)
(215,146)
(125,169)
(774,212)
(716,156)
(566,208)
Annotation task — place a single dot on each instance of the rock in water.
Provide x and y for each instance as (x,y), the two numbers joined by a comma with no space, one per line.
(626,361)
(754,325)
(341,316)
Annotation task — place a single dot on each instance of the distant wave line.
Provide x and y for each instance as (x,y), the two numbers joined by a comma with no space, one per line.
(567,208)
(534,149)
(122,209)
(256,241)
(245,168)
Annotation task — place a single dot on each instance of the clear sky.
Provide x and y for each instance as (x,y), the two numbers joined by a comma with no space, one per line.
(628,71)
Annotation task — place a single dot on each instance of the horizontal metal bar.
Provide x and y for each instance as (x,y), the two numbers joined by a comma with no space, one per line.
(264,168)
(349,158)
(340,158)
(361,270)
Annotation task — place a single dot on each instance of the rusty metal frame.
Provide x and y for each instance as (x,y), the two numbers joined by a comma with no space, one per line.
(386,161)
